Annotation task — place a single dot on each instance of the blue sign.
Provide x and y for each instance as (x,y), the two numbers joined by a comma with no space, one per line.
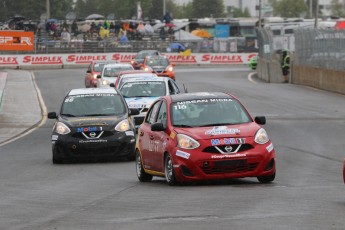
(222,31)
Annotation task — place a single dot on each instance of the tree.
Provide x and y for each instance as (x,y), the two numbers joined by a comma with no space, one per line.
(337,8)
(289,8)
(238,13)
(203,8)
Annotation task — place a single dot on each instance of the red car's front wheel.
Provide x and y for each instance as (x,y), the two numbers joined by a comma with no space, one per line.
(169,170)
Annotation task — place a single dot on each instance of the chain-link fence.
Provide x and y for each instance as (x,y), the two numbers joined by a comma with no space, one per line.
(324,48)
(320,48)
(111,44)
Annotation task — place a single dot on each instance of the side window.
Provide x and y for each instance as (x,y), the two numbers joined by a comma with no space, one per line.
(153,112)
(177,90)
(162,113)
(171,88)
(90,67)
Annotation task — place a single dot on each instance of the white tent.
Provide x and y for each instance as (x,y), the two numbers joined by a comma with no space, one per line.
(182,35)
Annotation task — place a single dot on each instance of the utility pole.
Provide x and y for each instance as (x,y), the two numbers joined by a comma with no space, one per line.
(311,8)
(48,8)
(259,14)
(164,7)
(316,14)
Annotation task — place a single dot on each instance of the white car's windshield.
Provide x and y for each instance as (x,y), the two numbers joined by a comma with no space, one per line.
(143,89)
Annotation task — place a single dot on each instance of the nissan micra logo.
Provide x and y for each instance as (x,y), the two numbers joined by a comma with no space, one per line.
(228,149)
(92,134)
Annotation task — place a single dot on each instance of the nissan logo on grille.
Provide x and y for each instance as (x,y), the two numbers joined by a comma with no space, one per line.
(228,149)
(92,134)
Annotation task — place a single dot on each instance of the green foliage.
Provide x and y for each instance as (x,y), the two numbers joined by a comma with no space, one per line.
(238,13)
(203,8)
(337,8)
(289,8)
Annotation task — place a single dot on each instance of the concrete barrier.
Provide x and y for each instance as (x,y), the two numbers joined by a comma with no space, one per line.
(325,79)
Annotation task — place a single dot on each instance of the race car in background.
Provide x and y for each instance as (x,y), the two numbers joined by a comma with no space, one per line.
(159,65)
(110,73)
(93,70)
(140,93)
(140,56)
(203,136)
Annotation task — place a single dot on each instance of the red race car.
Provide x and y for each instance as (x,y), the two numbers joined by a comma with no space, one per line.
(94,69)
(203,136)
(159,65)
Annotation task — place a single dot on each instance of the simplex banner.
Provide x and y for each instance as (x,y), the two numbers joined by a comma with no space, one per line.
(86,58)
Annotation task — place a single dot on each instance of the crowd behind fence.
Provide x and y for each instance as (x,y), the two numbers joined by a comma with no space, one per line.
(323,48)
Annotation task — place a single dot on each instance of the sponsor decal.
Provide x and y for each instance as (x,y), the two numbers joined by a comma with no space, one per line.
(136,106)
(46,60)
(183,59)
(55,137)
(16,40)
(223,156)
(182,154)
(8,60)
(172,135)
(228,141)
(129,133)
(123,57)
(269,147)
(86,129)
(92,141)
(221,130)
(222,58)
(83,59)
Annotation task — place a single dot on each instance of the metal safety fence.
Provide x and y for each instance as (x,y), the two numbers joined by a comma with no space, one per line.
(228,45)
(323,48)
(320,48)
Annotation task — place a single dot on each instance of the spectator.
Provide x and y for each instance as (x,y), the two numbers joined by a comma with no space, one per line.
(65,38)
(162,33)
(167,17)
(112,27)
(74,28)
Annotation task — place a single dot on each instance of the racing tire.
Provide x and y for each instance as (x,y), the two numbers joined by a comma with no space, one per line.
(141,174)
(56,159)
(169,171)
(266,179)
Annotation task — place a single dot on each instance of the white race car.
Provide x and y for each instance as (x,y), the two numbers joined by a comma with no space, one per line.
(140,93)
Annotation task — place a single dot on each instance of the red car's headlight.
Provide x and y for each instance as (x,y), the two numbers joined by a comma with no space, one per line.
(170,69)
(261,136)
(186,142)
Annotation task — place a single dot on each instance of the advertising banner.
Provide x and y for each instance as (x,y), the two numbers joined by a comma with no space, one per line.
(16,40)
(86,58)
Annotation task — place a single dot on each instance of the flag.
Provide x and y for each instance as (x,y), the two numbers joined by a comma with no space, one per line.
(186,53)
(139,10)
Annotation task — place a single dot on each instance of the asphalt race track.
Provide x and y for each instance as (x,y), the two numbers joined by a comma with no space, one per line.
(306,126)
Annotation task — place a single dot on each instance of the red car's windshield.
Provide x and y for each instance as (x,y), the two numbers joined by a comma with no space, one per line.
(208,112)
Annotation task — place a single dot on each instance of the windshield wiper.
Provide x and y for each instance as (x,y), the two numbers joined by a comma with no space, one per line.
(183,126)
(95,115)
(215,124)
(67,115)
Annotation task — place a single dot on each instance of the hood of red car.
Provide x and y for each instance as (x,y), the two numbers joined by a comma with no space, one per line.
(242,130)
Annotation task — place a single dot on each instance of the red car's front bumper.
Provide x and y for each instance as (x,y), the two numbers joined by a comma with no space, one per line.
(209,166)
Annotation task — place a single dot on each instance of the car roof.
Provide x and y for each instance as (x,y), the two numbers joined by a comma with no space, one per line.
(142,74)
(200,96)
(161,79)
(116,64)
(136,71)
(81,91)
(156,57)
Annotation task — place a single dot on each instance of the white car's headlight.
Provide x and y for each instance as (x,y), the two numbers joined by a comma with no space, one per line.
(62,129)
(261,136)
(105,82)
(186,142)
(122,126)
